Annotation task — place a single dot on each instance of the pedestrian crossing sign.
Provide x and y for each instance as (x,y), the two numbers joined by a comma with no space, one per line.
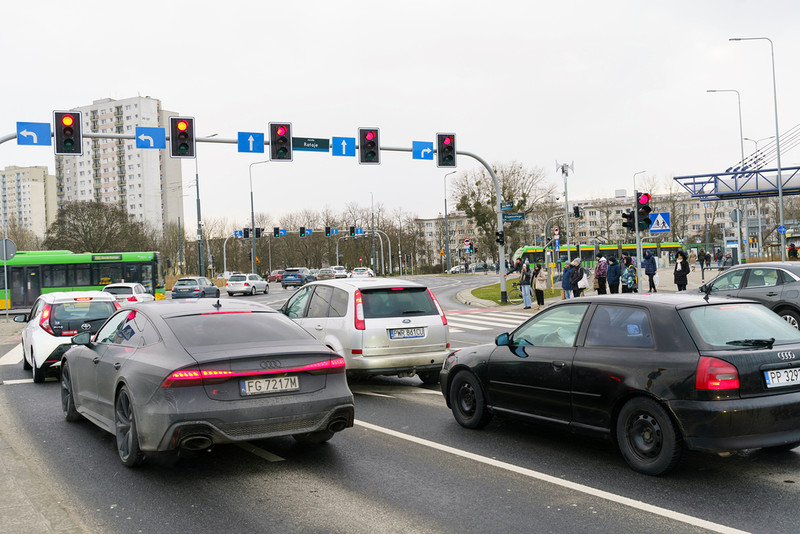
(660,223)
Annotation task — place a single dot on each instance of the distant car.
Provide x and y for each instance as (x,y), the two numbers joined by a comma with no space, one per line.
(657,374)
(53,320)
(774,284)
(128,292)
(339,271)
(246,284)
(275,276)
(380,327)
(456,269)
(296,276)
(362,272)
(326,274)
(192,287)
(160,377)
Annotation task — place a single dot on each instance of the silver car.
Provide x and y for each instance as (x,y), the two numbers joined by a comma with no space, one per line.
(381,327)
(246,284)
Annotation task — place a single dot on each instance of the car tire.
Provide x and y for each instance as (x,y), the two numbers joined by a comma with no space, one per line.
(791,317)
(127,437)
(647,437)
(283,286)
(68,395)
(39,374)
(786,447)
(313,438)
(468,402)
(230,294)
(266,289)
(253,290)
(429,377)
(202,295)
(25,363)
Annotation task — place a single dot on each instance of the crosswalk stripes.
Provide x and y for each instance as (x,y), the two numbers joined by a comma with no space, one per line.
(460,322)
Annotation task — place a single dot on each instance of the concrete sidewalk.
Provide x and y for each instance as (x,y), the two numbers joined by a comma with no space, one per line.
(28,502)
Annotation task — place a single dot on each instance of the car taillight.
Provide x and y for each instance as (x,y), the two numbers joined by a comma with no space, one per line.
(196,288)
(117,305)
(246,284)
(359,311)
(195,377)
(132,299)
(44,322)
(715,374)
(438,308)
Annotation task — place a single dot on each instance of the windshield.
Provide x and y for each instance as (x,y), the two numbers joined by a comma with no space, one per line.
(397,302)
(237,278)
(189,282)
(737,326)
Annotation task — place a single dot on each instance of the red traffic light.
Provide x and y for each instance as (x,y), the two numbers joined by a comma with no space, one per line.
(182,125)
(281,130)
(447,141)
(67,120)
(370,135)
(644,198)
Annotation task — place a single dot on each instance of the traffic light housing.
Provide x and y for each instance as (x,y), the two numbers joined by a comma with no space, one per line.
(258,233)
(302,231)
(246,233)
(68,133)
(643,211)
(576,212)
(352,231)
(327,231)
(445,150)
(181,137)
(369,146)
(500,237)
(276,231)
(280,141)
(627,221)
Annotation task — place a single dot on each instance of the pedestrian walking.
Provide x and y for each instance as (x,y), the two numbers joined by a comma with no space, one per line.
(566,284)
(628,279)
(692,259)
(525,280)
(613,275)
(650,269)
(518,265)
(702,260)
(792,252)
(600,272)
(578,278)
(681,270)
(626,260)
(539,285)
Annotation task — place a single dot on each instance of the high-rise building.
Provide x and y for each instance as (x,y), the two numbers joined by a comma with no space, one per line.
(29,196)
(146,182)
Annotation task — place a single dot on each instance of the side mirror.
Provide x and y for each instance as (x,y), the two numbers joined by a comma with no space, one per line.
(502,340)
(21,318)
(84,338)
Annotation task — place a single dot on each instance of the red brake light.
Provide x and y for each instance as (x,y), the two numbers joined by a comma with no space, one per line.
(194,377)
(82,299)
(359,311)
(132,299)
(246,284)
(117,305)
(438,308)
(715,374)
(44,322)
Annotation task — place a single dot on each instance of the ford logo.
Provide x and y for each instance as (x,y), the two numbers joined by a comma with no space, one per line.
(87,326)
(788,355)
(270,364)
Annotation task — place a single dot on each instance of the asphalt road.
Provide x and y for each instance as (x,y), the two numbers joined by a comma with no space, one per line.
(406,466)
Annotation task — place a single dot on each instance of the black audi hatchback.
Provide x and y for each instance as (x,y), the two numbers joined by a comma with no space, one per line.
(657,373)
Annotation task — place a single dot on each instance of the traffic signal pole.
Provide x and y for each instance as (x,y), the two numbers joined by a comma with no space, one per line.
(636,229)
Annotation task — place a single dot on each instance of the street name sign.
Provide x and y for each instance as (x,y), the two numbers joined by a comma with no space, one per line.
(150,137)
(520,216)
(33,133)
(507,205)
(311,144)
(251,142)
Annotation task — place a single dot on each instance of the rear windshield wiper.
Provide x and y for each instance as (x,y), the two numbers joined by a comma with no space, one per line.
(753,342)
(413,311)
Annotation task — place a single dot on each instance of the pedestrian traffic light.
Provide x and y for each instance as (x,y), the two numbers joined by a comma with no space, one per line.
(67,126)
(500,237)
(643,211)
(302,231)
(258,233)
(445,150)
(327,231)
(352,231)
(576,212)
(246,232)
(369,147)
(181,137)
(627,220)
(280,141)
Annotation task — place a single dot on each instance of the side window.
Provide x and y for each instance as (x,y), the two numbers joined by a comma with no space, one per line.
(338,303)
(37,306)
(110,330)
(619,326)
(137,331)
(320,302)
(297,303)
(557,327)
(762,278)
(728,281)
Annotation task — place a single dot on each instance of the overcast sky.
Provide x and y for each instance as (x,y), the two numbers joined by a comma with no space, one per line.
(615,87)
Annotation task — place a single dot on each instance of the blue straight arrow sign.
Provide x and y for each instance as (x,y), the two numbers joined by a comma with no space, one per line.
(343,146)
(251,142)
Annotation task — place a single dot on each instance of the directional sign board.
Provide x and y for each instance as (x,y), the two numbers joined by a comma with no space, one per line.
(344,146)
(334,231)
(251,142)
(781,229)
(421,150)
(507,205)
(147,137)
(282,231)
(556,245)
(514,216)
(238,233)
(311,144)
(359,231)
(660,223)
(33,133)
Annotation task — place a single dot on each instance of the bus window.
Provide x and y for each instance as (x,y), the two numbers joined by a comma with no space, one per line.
(83,275)
(106,273)
(54,276)
(147,278)
(132,272)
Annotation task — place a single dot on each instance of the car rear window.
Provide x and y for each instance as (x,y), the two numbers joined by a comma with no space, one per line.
(120,290)
(291,271)
(237,278)
(734,326)
(213,329)
(190,282)
(397,302)
(83,310)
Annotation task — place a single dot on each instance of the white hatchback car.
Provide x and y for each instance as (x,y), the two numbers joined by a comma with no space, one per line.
(128,293)
(54,319)
(339,271)
(362,272)
(246,284)
(381,327)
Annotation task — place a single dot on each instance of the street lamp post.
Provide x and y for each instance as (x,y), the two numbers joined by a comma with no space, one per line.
(200,264)
(758,200)
(253,218)
(446,227)
(741,146)
(372,228)
(777,136)
(636,219)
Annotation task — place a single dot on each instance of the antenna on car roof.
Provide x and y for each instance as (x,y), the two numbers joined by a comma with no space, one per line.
(217,305)
(707,292)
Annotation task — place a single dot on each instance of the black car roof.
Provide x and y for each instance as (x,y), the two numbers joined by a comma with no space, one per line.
(660,300)
(176,308)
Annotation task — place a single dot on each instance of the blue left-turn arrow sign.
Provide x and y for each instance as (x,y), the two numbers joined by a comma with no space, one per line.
(150,137)
(33,133)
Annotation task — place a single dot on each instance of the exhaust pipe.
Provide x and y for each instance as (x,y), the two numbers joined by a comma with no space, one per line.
(337,425)
(196,443)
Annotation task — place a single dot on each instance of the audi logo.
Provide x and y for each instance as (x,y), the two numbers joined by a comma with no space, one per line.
(789,355)
(86,326)
(270,364)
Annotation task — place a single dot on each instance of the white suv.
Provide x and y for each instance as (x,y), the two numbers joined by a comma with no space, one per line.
(54,319)
(381,327)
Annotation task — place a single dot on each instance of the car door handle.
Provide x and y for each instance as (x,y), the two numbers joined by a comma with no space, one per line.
(117,366)
(559,365)
(319,327)
(771,294)
(95,360)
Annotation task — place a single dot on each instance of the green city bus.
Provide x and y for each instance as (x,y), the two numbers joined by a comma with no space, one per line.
(31,273)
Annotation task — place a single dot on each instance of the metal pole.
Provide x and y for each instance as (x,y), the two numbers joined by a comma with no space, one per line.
(636,221)
(253,219)
(389,247)
(200,265)
(564,170)
(446,226)
(372,227)
(225,254)
(180,246)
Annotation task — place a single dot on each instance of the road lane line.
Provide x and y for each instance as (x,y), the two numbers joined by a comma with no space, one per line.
(261,453)
(12,357)
(372,394)
(619,499)
(20,381)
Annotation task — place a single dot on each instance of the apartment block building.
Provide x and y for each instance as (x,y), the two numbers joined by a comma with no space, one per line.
(145,182)
(29,197)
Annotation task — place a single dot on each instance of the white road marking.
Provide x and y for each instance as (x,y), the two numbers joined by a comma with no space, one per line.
(261,453)
(20,381)
(372,394)
(619,499)
(12,357)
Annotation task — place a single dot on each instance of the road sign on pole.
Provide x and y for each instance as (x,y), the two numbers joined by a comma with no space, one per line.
(150,137)
(251,142)
(421,150)
(344,146)
(33,133)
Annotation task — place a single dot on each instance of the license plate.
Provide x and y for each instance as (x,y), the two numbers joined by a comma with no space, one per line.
(260,386)
(405,333)
(782,377)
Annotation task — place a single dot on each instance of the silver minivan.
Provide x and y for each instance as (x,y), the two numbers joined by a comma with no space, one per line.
(381,327)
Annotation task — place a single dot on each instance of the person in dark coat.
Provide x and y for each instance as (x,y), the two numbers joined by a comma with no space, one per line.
(681,270)
(650,268)
(575,276)
(566,283)
(613,275)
